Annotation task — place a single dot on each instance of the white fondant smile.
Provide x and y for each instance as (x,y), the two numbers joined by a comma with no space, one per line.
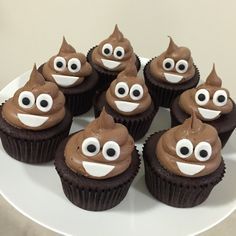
(65,80)
(208,114)
(173,78)
(126,106)
(189,169)
(32,120)
(110,64)
(97,169)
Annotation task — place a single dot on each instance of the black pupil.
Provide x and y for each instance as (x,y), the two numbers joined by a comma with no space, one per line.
(221,98)
(119,53)
(168,65)
(91,148)
(73,66)
(201,97)
(181,67)
(184,150)
(107,51)
(26,101)
(44,103)
(111,152)
(121,90)
(59,64)
(203,153)
(136,93)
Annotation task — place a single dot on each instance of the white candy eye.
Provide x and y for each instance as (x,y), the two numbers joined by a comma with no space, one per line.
(121,90)
(90,147)
(119,52)
(181,66)
(59,63)
(168,64)
(184,148)
(111,150)
(26,99)
(44,102)
(136,92)
(74,65)
(107,49)
(203,151)
(202,97)
(220,98)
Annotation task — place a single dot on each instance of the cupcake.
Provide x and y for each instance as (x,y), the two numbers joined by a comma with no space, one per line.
(74,76)
(127,100)
(34,121)
(98,164)
(111,56)
(211,103)
(169,74)
(184,163)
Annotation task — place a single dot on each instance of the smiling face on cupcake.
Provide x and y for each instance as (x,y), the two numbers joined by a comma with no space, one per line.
(174,66)
(114,52)
(208,100)
(36,106)
(68,68)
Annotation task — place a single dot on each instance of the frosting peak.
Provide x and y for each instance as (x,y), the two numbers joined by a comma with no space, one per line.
(36,78)
(66,48)
(172,46)
(105,121)
(193,124)
(213,79)
(117,35)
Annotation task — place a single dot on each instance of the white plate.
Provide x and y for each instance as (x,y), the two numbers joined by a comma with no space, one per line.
(35,191)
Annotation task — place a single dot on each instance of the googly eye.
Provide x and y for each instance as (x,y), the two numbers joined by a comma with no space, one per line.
(220,98)
(136,92)
(202,97)
(111,150)
(181,66)
(74,65)
(90,147)
(203,151)
(44,102)
(59,63)
(184,148)
(168,64)
(26,99)
(121,90)
(107,49)
(119,52)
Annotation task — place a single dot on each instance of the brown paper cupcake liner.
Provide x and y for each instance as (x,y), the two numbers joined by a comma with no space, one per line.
(163,94)
(173,190)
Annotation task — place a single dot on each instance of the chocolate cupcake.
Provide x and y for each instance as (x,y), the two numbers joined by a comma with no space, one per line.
(211,103)
(171,73)
(74,76)
(111,56)
(183,164)
(127,100)
(34,121)
(98,164)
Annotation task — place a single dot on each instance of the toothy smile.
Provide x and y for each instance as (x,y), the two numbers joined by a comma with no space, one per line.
(126,106)
(65,80)
(189,169)
(173,78)
(97,169)
(32,120)
(110,64)
(208,114)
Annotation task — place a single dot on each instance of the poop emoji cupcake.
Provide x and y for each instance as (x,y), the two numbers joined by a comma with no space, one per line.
(98,164)
(171,73)
(211,103)
(34,120)
(127,100)
(183,164)
(111,56)
(74,76)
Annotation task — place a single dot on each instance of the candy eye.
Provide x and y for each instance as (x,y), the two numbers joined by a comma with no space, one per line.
(74,65)
(136,92)
(202,97)
(44,102)
(181,66)
(220,98)
(26,99)
(59,63)
(111,150)
(184,148)
(119,52)
(107,49)
(168,64)
(203,151)
(121,90)
(90,147)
